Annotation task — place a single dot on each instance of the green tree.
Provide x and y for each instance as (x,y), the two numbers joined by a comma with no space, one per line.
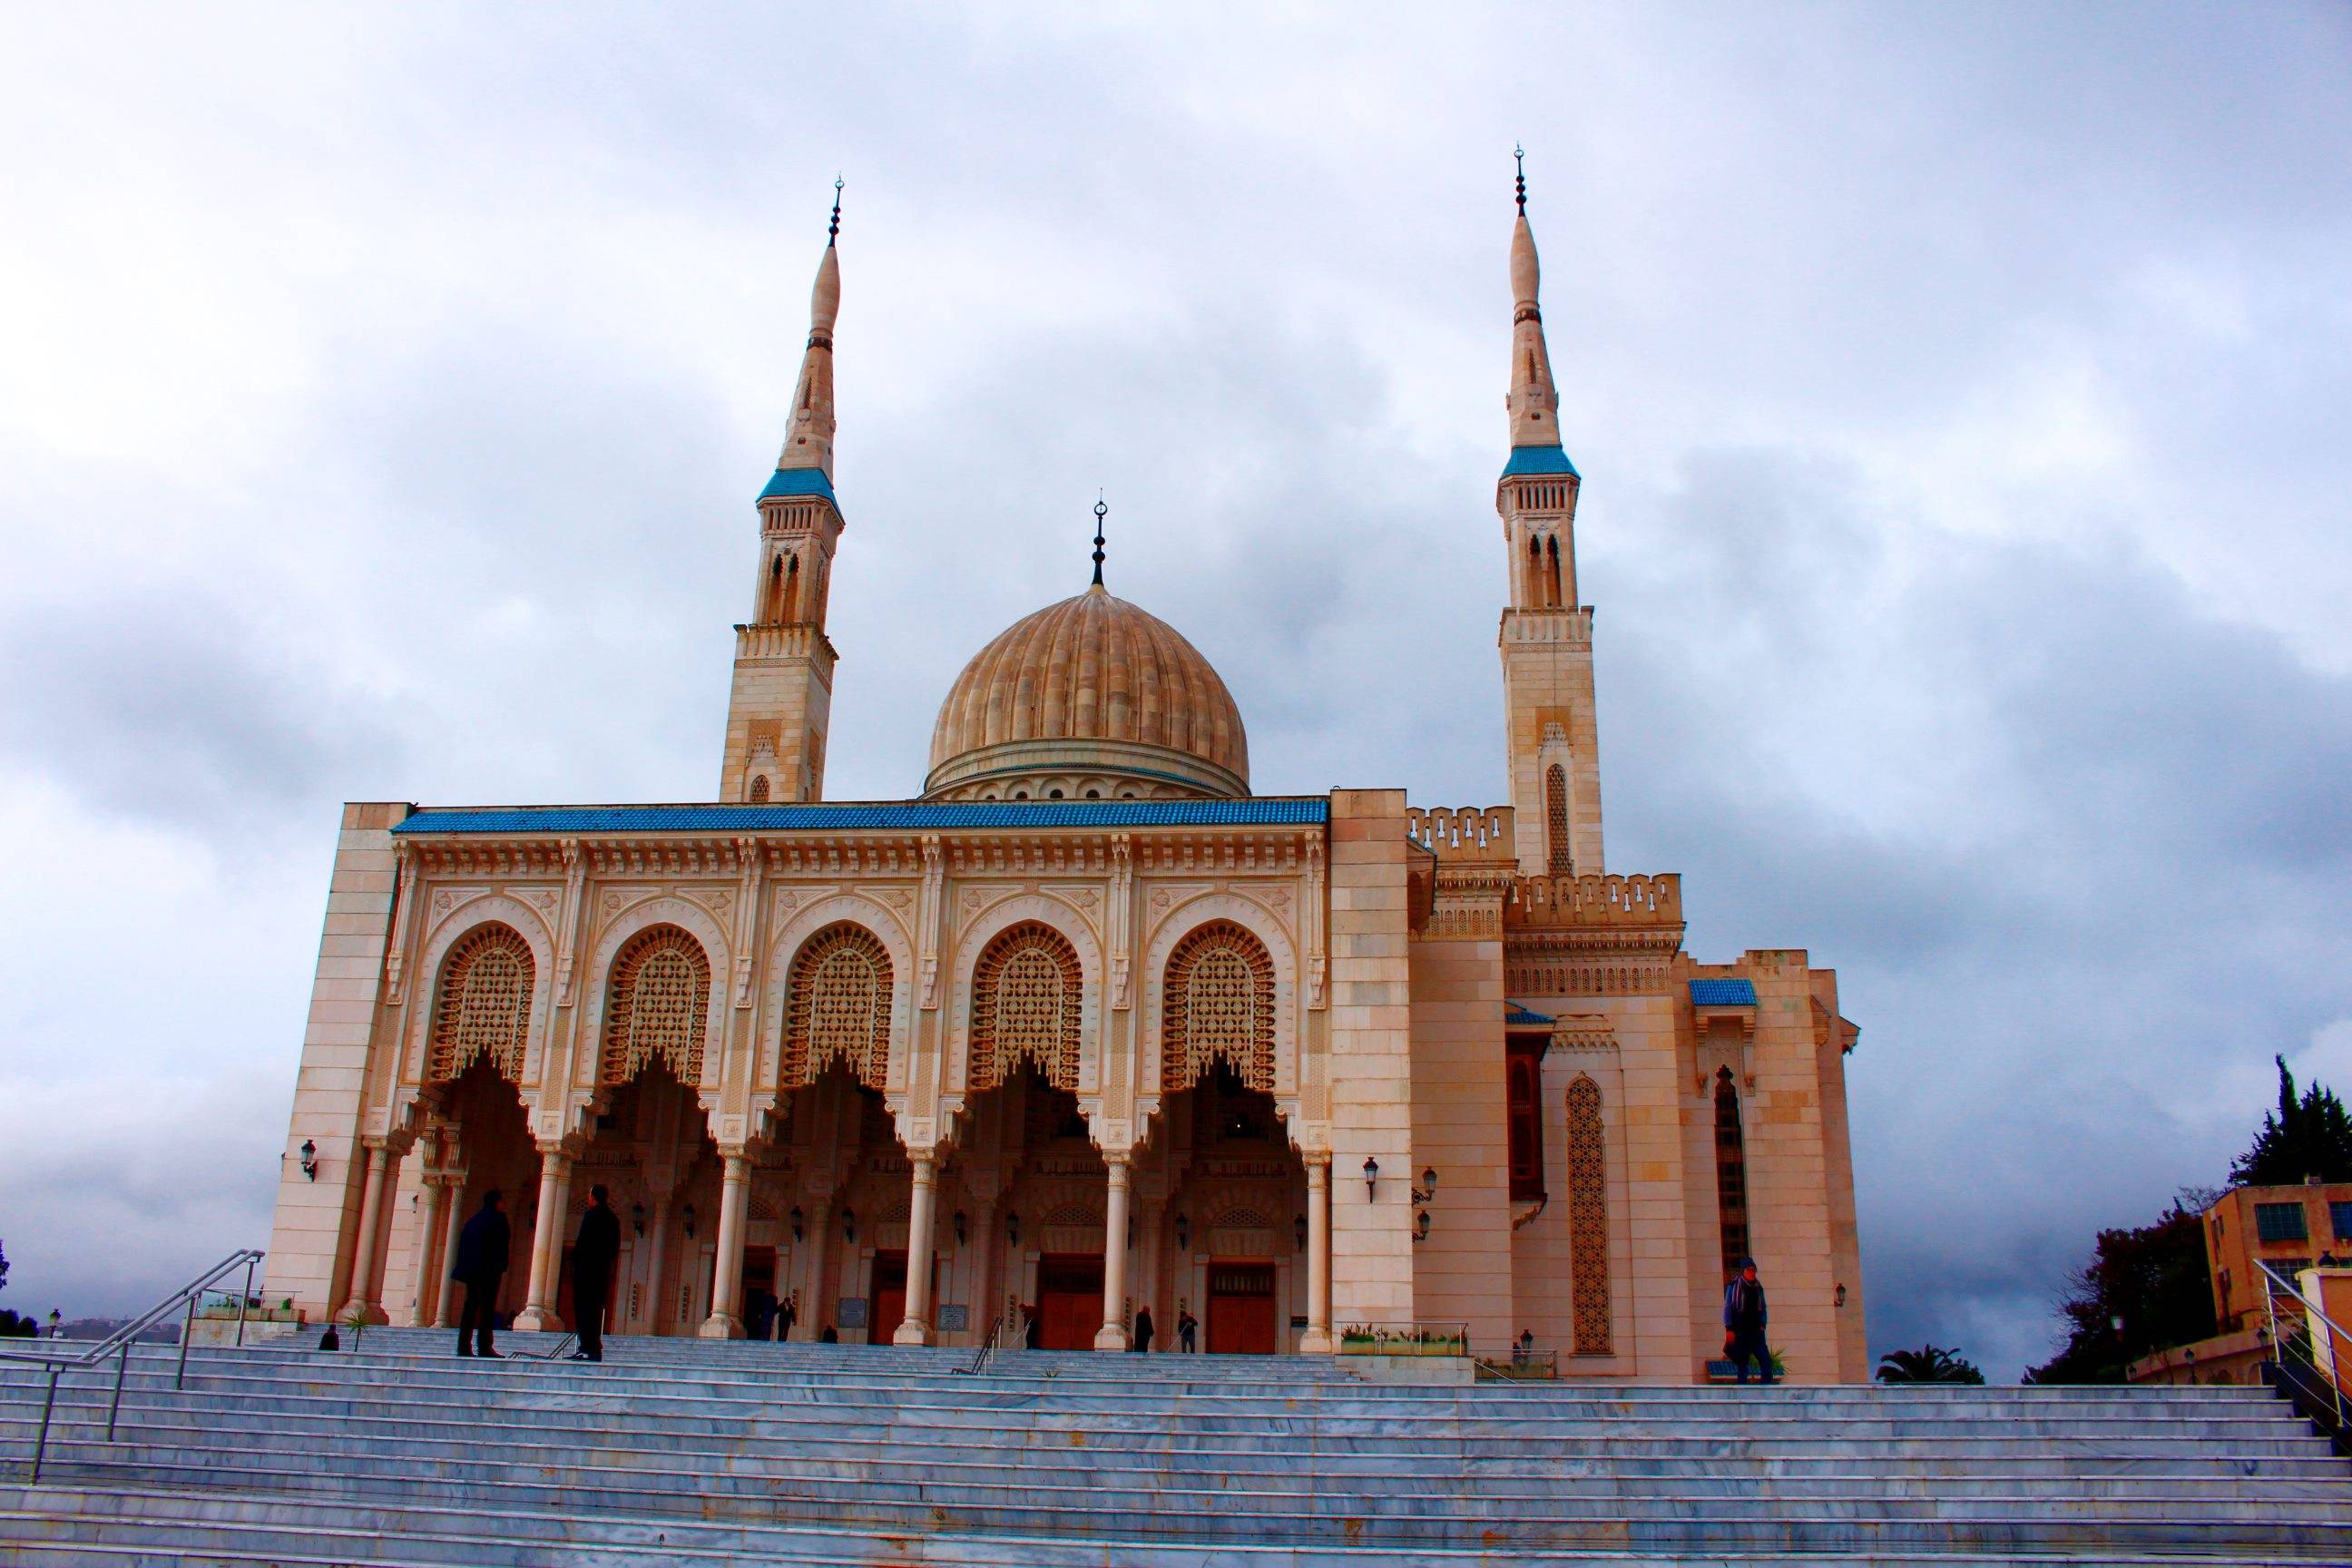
(2153,1280)
(2308,1135)
(12,1325)
(1929,1363)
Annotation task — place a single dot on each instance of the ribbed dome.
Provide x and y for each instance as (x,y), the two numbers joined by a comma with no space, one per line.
(1091,697)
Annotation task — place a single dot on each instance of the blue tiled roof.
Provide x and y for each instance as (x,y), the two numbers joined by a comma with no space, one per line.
(865,816)
(1538,461)
(1515,1014)
(1723,992)
(799,482)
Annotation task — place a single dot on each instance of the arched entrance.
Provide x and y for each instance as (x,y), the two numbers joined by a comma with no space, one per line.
(1230,1230)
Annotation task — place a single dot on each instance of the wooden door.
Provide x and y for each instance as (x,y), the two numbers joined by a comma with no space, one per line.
(1241,1309)
(1069,1301)
(889,1305)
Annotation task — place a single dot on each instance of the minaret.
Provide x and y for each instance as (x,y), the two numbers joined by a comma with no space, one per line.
(781,701)
(1546,636)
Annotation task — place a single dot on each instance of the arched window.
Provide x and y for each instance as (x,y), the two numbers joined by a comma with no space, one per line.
(1588,1219)
(1558,860)
(483,1005)
(657,1010)
(1217,1005)
(1551,572)
(1025,996)
(1535,573)
(1523,1115)
(839,1007)
(774,609)
(759,790)
(792,599)
(1730,1173)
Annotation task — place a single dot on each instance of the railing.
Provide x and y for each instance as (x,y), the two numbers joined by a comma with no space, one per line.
(1473,832)
(118,1343)
(989,1346)
(2314,1352)
(1522,1367)
(1405,1338)
(1596,900)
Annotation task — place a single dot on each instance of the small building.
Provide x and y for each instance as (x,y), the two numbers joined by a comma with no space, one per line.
(2290,1228)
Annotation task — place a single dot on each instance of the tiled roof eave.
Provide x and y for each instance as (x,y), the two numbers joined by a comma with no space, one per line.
(852,816)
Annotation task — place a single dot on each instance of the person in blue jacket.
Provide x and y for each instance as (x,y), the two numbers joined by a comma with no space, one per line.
(1744,1317)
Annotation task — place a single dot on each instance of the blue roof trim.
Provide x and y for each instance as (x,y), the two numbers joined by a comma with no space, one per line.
(850,816)
(1515,1014)
(1538,461)
(1723,992)
(799,482)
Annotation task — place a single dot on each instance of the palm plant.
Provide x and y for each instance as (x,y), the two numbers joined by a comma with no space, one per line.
(1929,1363)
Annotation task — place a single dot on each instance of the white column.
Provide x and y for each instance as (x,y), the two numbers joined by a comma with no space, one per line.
(1317,1340)
(538,1314)
(916,1328)
(727,1276)
(1114,1334)
(373,1173)
(444,1314)
(429,1235)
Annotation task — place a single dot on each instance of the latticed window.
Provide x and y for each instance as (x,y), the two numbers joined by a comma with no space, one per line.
(839,1007)
(1217,1005)
(1730,1173)
(1557,861)
(1588,1219)
(759,791)
(483,1006)
(1025,997)
(660,995)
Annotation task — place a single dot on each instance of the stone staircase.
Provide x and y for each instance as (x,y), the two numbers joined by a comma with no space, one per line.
(681,1451)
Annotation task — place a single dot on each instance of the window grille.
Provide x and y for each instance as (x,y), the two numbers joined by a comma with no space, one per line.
(483,1006)
(2279,1222)
(759,790)
(1730,1173)
(1217,1005)
(660,995)
(1557,861)
(2339,1220)
(1588,1219)
(1026,991)
(839,1009)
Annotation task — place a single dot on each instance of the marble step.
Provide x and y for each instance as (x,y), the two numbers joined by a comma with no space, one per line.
(55,1524)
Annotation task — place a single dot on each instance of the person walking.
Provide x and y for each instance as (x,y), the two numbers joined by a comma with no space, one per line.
(1142,1330)
(593,1257)
(787,1312)
(1744,1317)
(1187,1327)
(480,1264)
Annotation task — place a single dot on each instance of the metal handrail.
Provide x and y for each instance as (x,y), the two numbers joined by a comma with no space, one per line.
(988,1347)
(2316,1322)
(118,1343)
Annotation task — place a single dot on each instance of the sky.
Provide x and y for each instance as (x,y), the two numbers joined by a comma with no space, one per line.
(1964,401)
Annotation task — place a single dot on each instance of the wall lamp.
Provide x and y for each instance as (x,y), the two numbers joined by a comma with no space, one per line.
(309,1159)
(1371,1180)
(963,1222)
(687,1215)
(799,1223)
(1183,1232)
(1013,1228)
(849,1224)
(638,1218)
(1420,1226)
(1841,1296)
(1427,1191)
(1299,1232)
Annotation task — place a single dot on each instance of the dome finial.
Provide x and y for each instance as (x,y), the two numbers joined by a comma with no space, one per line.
(1102,512)
(1520,155)
(832,229)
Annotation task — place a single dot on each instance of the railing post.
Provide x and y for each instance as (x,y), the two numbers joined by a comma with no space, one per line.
(244,1296)
(187,1328)
(41,1444)
(122,1367)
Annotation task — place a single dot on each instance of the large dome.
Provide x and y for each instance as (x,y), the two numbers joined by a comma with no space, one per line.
(1089,699)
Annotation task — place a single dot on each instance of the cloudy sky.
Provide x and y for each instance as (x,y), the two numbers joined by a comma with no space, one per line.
(1965,402)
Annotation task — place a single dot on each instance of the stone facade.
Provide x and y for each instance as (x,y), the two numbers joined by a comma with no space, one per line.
(1088,1030)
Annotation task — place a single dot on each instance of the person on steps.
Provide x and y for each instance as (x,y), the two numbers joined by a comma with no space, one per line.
(831,1336)
(1744,1317)
(1033,1336)
(1187,1328)
(480,1264)
(593,1257)
(1143,1330)
(787,1311)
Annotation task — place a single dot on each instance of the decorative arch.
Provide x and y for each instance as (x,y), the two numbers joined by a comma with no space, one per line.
(793,931)
(1558,859)
(838,1007)
(984,927)
(623,929)
(1217,1003)
(658,1007)
(1588,1219)
(442,939)
(1175,926)
(481,1004)
(1730,1173)
(1028,1002)
(758,793)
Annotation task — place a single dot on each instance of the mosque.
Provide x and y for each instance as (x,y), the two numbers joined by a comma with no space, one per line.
(1084,1027)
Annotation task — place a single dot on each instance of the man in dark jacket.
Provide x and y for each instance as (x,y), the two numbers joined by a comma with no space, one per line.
(593,1255)
(1744,1317)
(1142,1330)
(480,1264)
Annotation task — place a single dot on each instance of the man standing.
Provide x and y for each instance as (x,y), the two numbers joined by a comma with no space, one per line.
(1187,1326)
(481,1263)
(787,1314)
(593,1257)
(1743,1322)
(1142,1341)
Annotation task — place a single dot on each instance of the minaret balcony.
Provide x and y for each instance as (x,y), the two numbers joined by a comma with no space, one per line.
(776,640)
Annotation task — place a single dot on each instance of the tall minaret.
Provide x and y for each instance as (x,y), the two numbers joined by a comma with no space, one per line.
(1546,636)
(782,703)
